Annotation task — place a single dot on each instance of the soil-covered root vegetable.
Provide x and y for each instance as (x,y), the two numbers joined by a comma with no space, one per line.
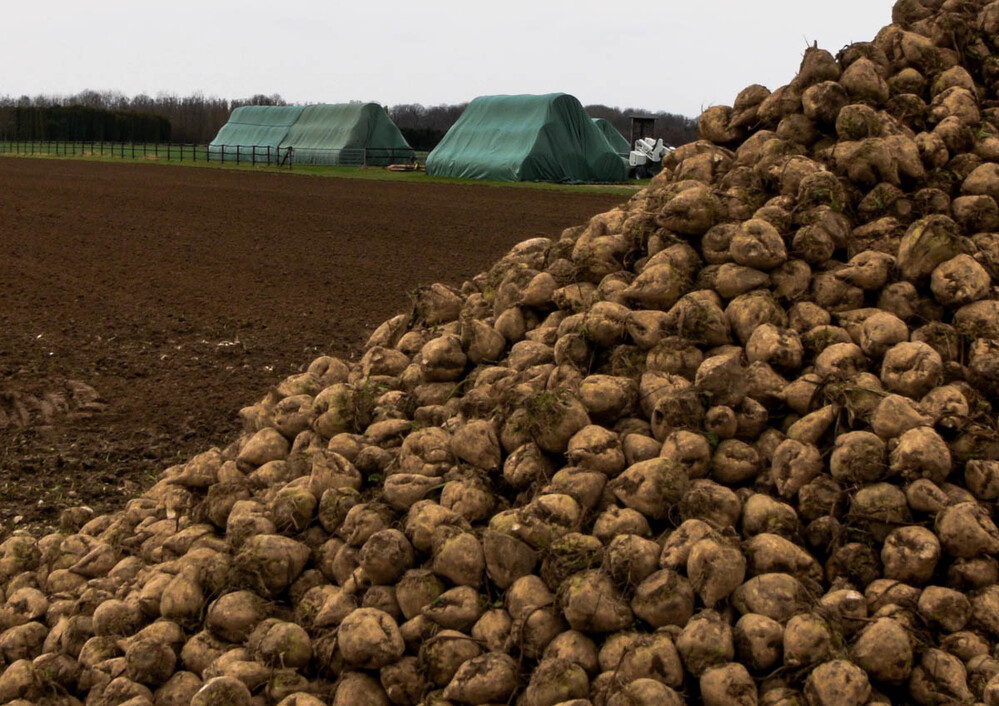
(271,562)
(178,690)
(706,640)
(506,558)
(808,639)
(369,638)
(793,465)
(759,641)
(677,544)
(777,596)
(607,396)
(690,450)
(910,554)
(631,558)
(403,681)
(770,553)
(488,678)
(715,568)
(222,690)
(709,501)
(921,453)
(927,243)
(734,462)
(959,281)
(726,684)
(944,608)
(763,513)
(880,332)
(692,211)
(858,457)
(150,662)
(442,655)
(966,530)
(478,444)
(556,681)
(640,692)
(554,418)
(650,487)
(458,556)
(665,597)
(597,448)
(385,556)
(837,682)
(116,618)
(911,368)
(456,609)
(884,649)
(359,688)
(939,676)
(283,644)
(895,415)
(632,655)
(592,603)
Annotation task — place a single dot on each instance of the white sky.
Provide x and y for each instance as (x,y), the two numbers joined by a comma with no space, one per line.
(675,55)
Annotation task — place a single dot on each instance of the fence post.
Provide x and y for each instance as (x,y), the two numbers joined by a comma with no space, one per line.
(268,154)
(194,152)
(237,155)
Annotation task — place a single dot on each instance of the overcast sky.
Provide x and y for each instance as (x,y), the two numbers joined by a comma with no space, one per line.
(672,55)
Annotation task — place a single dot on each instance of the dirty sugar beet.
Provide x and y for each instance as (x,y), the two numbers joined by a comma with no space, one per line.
(733,442)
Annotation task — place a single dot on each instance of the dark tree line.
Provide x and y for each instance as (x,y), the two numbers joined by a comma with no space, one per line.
(81,123)
(93,115)
(188,119)
(674,129)
(424,126)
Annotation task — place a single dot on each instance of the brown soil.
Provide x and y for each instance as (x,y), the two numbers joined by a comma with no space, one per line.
(142,306)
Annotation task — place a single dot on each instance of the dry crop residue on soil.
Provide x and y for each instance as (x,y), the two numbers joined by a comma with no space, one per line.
(142,306)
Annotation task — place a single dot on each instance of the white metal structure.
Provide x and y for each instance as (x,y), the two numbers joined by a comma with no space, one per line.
(646,155)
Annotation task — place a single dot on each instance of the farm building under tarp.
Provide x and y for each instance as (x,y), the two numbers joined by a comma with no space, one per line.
(347,126)
(345,133)
(614,137)
(249,126)
(526,138)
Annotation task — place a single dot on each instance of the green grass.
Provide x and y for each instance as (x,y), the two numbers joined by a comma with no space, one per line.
(149,154)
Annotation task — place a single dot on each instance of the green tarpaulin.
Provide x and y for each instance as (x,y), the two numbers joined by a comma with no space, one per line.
(346,127)
(346,133)
(249,126)
(526,138)
(615,138)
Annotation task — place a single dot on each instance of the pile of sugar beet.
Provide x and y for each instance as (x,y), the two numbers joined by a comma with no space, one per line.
(734,442)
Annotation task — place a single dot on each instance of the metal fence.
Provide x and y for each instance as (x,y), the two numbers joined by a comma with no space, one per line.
(236,154)
(345,157)
(167,151)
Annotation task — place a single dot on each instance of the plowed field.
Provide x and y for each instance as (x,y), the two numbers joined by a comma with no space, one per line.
(142,305)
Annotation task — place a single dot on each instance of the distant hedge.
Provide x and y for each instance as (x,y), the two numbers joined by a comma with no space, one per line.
(81,124)
(422,139)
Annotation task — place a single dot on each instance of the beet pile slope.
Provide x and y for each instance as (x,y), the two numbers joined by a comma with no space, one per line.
(732,443)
